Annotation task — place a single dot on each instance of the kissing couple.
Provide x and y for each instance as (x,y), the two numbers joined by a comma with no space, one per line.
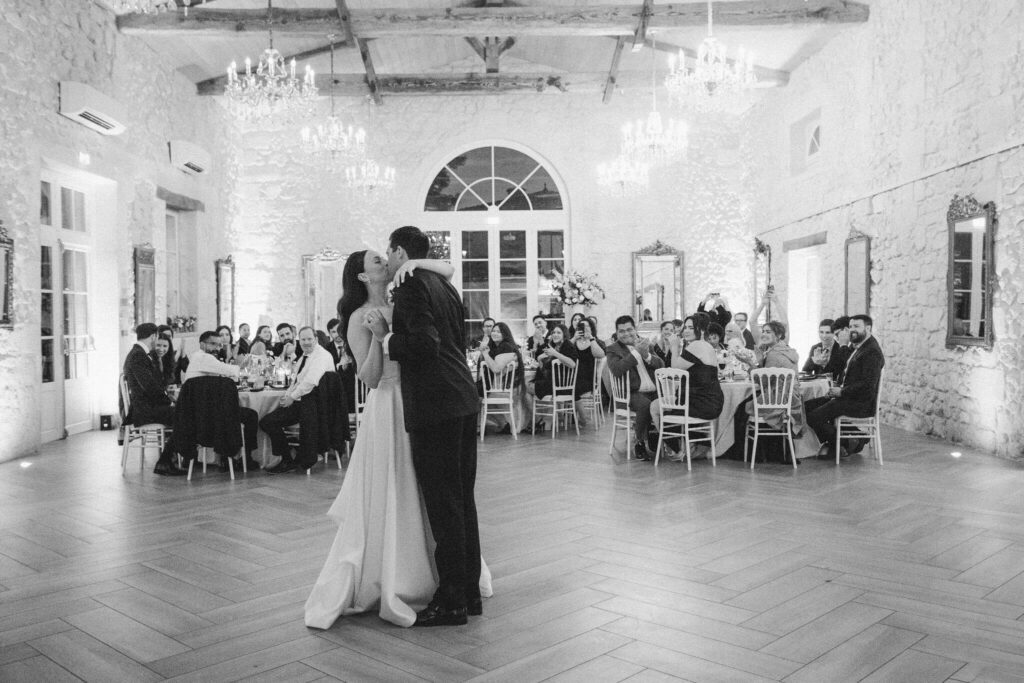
(407,524)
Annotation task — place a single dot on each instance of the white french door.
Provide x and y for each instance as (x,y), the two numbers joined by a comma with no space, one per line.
(66,344)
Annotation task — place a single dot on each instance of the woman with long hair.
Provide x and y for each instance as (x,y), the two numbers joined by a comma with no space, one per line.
(163,354)
(228,351)
(559,347)
(500,352)
(382,556)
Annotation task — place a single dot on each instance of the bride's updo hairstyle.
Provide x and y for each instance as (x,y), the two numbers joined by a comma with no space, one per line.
(354,292)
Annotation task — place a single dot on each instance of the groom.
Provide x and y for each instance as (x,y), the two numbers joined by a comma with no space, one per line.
(441,407)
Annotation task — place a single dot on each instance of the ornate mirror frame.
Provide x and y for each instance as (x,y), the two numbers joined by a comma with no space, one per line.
(857,300)
(6,279)
(319,273)
(225,269)
(657,255)
(145,284)
(970,275)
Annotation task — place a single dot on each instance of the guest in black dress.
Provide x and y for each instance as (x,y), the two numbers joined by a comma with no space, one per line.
(163,355)
(559,347)
(662,348)
(243,339)
(500,352)
(588,349)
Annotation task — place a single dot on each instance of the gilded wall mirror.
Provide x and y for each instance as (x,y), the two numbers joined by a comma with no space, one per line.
(858,275)
(321,273)
(970,277)
(657,285)
(225,269)
(145,284)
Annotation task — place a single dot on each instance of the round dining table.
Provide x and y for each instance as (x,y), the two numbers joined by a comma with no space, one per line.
(263,402)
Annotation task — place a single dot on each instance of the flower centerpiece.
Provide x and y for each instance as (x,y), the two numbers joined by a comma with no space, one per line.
(182,323)
(576,289)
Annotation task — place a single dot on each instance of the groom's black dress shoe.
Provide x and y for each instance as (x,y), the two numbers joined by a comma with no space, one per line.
(436,615)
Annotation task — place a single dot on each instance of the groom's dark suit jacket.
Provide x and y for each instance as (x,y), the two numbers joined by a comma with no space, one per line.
(429,327)
(149,401)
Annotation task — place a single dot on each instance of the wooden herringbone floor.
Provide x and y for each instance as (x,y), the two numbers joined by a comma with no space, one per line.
(603,572)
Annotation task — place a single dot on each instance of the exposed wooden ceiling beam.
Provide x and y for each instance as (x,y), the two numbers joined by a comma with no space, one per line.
(345,17)
(490,50)
(594,20)
(371,73)
(613,72)
(354,85)
(641,29)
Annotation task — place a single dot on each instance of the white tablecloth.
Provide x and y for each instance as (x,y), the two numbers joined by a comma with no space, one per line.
(737,392)
(262,402)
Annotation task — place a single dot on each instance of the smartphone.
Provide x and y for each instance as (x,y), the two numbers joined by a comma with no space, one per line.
(581,328)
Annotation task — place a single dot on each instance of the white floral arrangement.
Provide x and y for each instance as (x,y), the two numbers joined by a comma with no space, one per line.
(576,289)
(740,352)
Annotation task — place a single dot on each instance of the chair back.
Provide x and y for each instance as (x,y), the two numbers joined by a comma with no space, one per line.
(620,389)
(673,387)
(126,399)
(598,373)
(878,394)
(498,385)
(773,388)
(563,380)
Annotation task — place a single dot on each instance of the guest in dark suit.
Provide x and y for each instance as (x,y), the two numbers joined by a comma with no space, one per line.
(147,391)
(859,391)
(841,333)
(343,363)
(824,357)
(441,407)
(748,337)
(286,346)
(631,354)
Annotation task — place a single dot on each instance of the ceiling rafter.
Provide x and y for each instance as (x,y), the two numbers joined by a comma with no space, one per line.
(490,50)
(594,20)
(613,72)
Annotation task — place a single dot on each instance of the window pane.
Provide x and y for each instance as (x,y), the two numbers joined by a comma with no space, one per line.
(47,350)
(550,244)
(74,271)
(513,274)
(474,244)
(476,304)
(443,192)
(512,244)
(79,211)
(513,306)
(962,275)
(548,269)
(77,365)
(472,165)
(45,217)
(543,192)
(478,198)
(512,164)
(46,268)
(962,306)
(475,275)
(440,245)
(67,212)
(961,245)
(517,202)
(46,315)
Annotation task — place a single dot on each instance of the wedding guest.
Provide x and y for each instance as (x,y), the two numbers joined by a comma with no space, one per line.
(631,356)
(228,352)
(165,331)
(858,393)
(841,333)
(315,361)
(748,337)
(714,336)
(243,339)
(823,358)
(574,321)
(343,362)
(588,349)
(149,403)
(285,346)
(700,360)
(263,334)
(559,347)
(771,301)
(719,308)
(485,337)
(497,354)
(539,339)
(163,356)
(205,362)
(662,348)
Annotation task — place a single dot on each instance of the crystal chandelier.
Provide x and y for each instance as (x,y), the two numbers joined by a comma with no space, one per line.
(713,75)
(624,176)
(651,140)
(333,137)
(367,176)
(271,89)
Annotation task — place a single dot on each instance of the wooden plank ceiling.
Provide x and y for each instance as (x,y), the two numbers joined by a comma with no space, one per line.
(437,46)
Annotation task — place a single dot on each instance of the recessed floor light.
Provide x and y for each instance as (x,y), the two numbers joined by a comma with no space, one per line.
(26,464)
(956,454)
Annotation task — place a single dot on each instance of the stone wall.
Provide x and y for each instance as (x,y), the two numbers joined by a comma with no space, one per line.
(288,203)
(77,40)
(920,103)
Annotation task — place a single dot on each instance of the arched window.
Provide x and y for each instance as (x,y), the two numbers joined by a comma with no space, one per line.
(497,215)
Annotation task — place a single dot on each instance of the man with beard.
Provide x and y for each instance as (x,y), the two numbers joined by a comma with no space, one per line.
(856,396)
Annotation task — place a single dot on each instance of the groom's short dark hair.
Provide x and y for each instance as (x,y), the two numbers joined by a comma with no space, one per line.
(412,239)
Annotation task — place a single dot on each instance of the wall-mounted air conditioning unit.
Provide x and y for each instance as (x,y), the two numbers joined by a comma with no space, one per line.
(189,157)
(91,108)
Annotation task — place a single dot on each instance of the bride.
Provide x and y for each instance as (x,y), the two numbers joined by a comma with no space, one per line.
(383,552)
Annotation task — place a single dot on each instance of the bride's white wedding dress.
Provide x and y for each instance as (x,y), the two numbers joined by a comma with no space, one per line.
(383,553)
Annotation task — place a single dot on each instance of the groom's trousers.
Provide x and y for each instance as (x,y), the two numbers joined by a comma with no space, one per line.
(445,461)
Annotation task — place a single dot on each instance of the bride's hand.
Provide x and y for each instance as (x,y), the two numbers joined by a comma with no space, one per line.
(404,271)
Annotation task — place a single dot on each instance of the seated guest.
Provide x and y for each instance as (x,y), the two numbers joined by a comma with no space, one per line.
(204,362)
(588,350)
(631,356)
(841,332)
(700,360)
(770,301)
(228,352)
(719,312)
(263,334)
(285,346)
(479,343)
(163,356)
(499,353)
(315,361)
(748,337)
(714,336)
(165,331)
(343,362)
(559,347)
(857,395)
(662,348)
(243,339)
(539,339)
(823,358)
(149,403)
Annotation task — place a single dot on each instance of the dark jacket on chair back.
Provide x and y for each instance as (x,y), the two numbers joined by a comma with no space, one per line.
(207,415)
(323,418)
